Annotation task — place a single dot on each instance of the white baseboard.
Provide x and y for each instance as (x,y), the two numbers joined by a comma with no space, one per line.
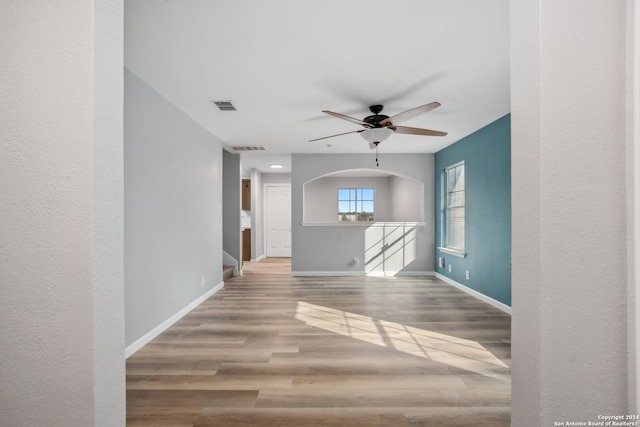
(145,339)
(482,297)
(362,273)
(259,258)
(401,273)
(327,273)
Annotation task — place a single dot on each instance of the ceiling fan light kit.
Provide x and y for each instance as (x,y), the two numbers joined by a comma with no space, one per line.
(376,135)
(378,127)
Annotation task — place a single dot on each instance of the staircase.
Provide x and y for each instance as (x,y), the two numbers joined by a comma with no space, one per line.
(227,272)
(229,265)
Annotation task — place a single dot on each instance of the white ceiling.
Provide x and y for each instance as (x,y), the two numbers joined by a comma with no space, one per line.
(281,62)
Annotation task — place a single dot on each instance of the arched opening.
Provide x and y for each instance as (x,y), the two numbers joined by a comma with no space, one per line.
(390,197)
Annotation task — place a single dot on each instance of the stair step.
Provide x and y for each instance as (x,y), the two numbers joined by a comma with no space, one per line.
(227,272)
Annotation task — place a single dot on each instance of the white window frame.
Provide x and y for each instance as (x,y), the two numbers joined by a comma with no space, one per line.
(458,207)
(355,200)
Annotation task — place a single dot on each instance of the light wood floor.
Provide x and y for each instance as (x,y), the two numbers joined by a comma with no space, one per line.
(273,350)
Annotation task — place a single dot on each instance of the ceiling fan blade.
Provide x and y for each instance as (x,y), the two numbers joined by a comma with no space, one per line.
(331,136)
(417,131)
(409,114)
(347,118)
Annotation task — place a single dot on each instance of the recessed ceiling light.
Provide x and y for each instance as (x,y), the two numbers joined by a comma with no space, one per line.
(276,166)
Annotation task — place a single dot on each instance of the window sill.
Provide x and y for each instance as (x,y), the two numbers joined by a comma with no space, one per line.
(452,252)
(363,224)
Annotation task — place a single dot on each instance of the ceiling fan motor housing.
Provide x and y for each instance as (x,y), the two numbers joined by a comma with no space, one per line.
(375,119)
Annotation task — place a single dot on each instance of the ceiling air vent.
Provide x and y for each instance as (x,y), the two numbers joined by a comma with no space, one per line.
(224,105)
(249,148)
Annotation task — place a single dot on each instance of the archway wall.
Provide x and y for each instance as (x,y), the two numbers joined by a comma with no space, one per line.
(325,248)
(397,199)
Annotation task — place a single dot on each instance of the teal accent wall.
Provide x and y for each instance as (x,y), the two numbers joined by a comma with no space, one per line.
(487,157)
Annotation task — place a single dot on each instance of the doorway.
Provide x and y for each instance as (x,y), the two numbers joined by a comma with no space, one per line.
(278,220)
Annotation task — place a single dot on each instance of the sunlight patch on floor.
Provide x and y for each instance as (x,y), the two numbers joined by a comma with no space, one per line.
(450,350)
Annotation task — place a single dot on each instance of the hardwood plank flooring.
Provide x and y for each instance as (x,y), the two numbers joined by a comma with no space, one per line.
(274,350)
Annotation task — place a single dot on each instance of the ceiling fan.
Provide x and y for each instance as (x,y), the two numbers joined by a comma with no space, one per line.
(378,127)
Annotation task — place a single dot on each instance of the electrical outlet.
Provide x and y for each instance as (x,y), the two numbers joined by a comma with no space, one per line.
(202,282)
(449,268)
(467,275)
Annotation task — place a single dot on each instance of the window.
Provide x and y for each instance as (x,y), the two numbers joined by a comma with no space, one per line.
(454,207)
(355,204)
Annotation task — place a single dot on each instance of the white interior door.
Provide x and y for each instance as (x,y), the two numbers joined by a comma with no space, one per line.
(278,219)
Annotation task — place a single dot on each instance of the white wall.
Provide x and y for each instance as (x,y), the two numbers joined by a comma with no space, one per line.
(108,227)
(407,199)
(276,178)
(232,205)
(570,285)
(173,209)
(61,225)
(257,215)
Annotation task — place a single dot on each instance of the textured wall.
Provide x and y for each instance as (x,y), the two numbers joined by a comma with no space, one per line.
(61,346)
(173,209)
(569,93)
(487,157)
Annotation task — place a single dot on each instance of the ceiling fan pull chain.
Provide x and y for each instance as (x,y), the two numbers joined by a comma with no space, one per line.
(377,164)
